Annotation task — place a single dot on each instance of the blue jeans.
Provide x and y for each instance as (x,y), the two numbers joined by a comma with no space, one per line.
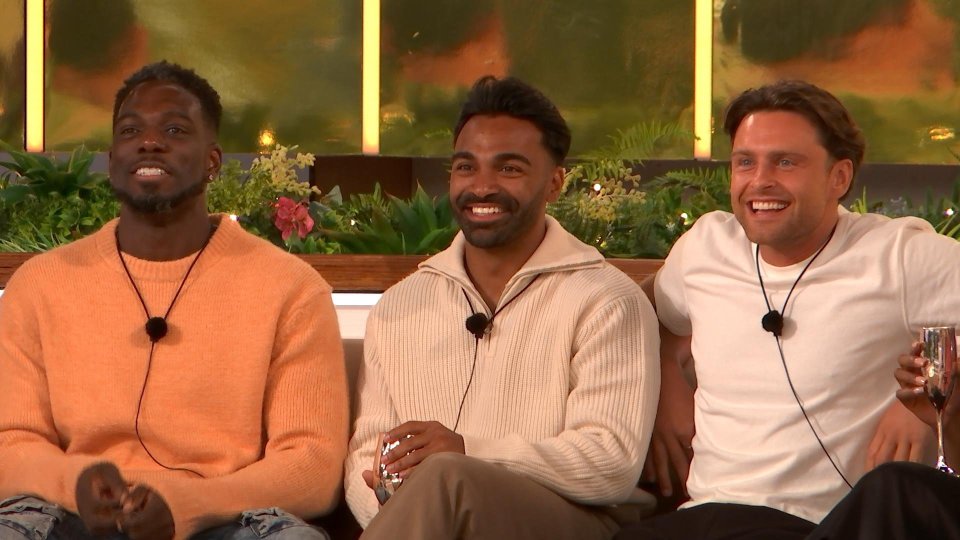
(29,518)
(272,523)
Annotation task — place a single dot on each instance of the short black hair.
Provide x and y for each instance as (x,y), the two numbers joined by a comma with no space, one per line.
(184,78)
(512,97)
(838,133)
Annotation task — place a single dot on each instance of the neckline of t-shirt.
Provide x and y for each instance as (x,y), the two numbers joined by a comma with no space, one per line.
(781,272)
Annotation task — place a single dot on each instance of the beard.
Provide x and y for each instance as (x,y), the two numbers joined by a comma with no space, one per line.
(153,203)
(493,235)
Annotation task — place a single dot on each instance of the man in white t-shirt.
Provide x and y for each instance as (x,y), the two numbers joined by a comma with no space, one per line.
(795,311)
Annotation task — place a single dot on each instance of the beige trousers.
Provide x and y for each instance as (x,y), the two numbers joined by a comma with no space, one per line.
(452,496)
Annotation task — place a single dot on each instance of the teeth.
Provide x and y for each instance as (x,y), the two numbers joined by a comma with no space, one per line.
(769,205)
(486,210)
(150,171)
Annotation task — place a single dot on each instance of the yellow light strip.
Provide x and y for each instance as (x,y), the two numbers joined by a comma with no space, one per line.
(703,79)
(34,99)
(370,123)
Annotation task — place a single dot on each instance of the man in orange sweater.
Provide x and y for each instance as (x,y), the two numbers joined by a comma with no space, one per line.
(170,376)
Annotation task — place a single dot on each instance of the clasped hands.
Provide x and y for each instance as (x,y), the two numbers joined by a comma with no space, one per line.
(417,441)
(106,505)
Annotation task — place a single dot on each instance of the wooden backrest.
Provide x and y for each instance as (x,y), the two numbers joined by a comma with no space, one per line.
(364,273)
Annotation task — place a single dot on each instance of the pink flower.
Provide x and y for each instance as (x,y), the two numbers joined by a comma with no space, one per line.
(290,215)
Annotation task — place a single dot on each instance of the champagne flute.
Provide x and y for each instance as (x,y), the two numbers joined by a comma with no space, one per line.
(940,350)
(387,483)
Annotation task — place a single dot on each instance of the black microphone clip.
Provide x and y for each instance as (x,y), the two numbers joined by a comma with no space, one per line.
(773,322)
(478,324)
(156,328)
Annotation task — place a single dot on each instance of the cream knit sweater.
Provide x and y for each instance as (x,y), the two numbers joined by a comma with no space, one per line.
(566,383)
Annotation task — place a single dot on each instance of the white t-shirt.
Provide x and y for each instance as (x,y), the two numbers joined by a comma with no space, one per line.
(858,307)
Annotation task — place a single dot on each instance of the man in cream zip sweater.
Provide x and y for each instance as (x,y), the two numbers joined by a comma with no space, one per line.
(516,372)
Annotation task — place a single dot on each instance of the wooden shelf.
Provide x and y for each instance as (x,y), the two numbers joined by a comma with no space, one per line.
(363,273)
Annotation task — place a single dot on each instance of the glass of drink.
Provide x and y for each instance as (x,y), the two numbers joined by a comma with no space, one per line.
(940,372)
(387,483)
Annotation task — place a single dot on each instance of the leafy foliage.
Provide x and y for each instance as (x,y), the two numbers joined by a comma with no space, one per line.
(628,147)
(252,195)
(603,203)
(674,202)
(942,213)
(422,225)
(45,202)
(366,223)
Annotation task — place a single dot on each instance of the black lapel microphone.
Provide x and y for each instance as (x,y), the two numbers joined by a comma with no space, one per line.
(773,322)
(156,328)
(478,324)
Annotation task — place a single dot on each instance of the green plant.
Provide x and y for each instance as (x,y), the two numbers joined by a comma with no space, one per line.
(674,202)
(45,202)
(32,239)
(37,175)
(943,213)
(603,202)
(628,147)
(420,225)
(252,195)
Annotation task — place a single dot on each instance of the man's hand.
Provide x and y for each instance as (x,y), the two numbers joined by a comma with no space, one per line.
(670,446)
(146,515)
(417,441)
(900,436)
(912,392)
(100,493)
(913,396)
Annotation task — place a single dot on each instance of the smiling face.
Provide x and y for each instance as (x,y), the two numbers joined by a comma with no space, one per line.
(163,152)
(501,179)
(784,185)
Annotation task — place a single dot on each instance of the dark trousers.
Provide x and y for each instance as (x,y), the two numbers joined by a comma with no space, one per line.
(896,501)
(720,521)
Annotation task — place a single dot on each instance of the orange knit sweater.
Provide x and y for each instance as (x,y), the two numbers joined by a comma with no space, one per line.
(248,388)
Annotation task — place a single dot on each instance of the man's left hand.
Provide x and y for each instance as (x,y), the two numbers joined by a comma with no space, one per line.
(417,441)
(100,493)
(146,515)
(900,436)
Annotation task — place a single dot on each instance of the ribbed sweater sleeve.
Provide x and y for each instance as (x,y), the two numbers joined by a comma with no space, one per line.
(374,414)
(614,384)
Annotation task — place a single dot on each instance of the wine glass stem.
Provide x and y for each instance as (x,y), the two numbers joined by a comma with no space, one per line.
(940,435)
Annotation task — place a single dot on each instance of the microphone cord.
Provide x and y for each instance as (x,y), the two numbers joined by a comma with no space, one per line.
(783,360)
(156,329)
(136,423)
(473,368)
(476,342)
(775,317)
(806,417)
